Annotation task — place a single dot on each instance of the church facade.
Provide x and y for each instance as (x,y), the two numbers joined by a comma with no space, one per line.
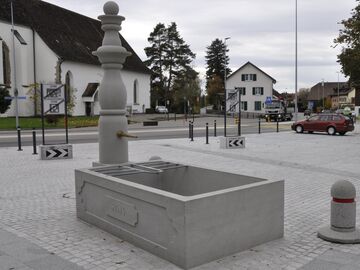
(55,45)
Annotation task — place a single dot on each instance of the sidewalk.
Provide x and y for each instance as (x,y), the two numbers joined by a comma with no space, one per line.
(37,200)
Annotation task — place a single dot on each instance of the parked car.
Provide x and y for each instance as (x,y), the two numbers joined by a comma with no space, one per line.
(330,123)
(161,109)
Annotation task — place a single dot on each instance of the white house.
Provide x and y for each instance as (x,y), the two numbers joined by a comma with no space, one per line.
(255,86)
(55,45)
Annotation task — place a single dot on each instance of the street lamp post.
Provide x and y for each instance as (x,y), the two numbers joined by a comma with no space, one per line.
(296,63)
(225,85)
(323,93)
(16,93)
(338,91)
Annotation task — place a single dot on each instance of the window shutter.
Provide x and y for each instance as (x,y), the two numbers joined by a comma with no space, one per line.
(244,91)
(254,77)
(262,90)
(253,91)
(243,77)
(245,106)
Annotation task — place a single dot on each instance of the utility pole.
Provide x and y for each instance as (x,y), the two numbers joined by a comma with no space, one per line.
(225,85)
(296,63)
(16,92)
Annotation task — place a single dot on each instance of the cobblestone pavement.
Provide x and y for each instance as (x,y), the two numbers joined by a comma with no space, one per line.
(37,198)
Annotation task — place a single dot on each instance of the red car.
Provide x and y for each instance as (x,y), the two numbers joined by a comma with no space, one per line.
(330,123)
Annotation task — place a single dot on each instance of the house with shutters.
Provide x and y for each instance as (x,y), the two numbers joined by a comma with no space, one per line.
(255,85)
(55,45)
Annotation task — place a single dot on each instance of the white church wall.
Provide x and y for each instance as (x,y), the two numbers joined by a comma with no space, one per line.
(24,66)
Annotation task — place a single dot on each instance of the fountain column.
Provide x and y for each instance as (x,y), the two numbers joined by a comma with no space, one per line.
(113,143)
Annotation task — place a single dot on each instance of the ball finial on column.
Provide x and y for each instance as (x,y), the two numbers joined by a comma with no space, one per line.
(111,8)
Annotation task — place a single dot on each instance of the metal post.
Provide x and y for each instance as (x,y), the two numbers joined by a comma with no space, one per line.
(239,115)
(192,131)
(338,91)
(42,114)
(296,62)
(214,128)
(259,125)
(277,124)
(66,117)
(225,85)
(189,129)
(19,139)
(207,133)
(323,86)
(34,141)
(16,93)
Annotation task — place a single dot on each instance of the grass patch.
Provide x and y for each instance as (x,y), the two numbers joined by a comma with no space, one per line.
(9,123)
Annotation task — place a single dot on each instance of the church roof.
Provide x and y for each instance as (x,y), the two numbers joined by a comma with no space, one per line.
(72,36)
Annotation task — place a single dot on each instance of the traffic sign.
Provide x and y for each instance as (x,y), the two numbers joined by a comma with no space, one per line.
(268,100)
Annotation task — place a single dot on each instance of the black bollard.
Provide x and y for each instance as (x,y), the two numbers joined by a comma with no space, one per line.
(214,128)
(207,133)
(19,138)
(259,125)
(277,124)
(192,131)
(189,129)
(34,141)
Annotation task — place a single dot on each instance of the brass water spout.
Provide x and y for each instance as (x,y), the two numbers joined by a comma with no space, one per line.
(121,134)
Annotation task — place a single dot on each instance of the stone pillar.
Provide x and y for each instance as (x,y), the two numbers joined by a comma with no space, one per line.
(113,149)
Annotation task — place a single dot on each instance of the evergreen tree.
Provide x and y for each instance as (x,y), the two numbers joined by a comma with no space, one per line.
(168,56)
(349,58)
(217,62)
(4,103)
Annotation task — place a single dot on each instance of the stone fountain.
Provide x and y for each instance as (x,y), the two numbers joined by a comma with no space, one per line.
(185,214)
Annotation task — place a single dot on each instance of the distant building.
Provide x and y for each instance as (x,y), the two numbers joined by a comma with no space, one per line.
(324,90)
(256,86)
(55,45)
(345,97)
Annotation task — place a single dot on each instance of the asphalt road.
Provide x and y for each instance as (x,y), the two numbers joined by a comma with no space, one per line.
(165,130)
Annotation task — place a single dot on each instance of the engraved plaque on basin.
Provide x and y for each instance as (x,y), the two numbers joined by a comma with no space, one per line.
(122,211)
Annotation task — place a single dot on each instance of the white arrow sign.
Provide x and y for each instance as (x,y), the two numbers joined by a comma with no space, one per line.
(56,153)
(236,143)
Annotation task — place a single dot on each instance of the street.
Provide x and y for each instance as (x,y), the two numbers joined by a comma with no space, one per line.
(165,130)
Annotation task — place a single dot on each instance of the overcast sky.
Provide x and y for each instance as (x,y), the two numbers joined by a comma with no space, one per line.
(261,31)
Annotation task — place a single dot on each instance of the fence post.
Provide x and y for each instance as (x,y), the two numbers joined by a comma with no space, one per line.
(207,133)
(19,138)
(214,128)
(34,141)
(259,125)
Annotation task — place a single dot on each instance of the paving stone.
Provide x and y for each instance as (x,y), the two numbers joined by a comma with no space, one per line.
(35,207)
(8,262)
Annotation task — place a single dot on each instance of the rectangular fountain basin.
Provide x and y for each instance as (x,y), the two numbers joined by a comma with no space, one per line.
(184,214)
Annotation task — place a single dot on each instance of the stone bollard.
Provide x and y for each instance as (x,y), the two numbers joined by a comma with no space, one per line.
(342,227)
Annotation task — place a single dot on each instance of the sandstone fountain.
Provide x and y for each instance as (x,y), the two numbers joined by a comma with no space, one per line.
(185,214)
